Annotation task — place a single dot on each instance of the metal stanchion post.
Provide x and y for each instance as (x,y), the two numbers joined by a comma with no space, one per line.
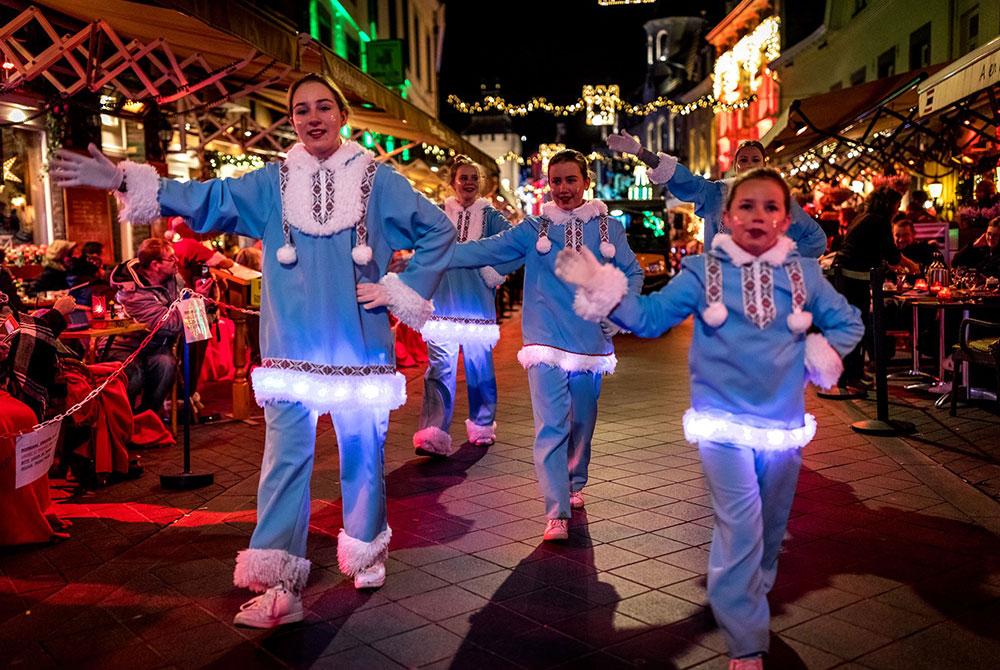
(881,424)
(844,392)
(187,480)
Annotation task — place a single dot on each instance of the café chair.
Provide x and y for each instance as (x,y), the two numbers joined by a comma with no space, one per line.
(983,351)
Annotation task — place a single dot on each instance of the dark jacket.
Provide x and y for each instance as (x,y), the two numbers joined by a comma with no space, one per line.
(146,303)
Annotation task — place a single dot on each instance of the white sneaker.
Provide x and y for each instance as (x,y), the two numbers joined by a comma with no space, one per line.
(275,607)
(576,499)
(556,529)
(370,578)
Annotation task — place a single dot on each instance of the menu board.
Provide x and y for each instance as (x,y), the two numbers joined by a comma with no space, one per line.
(88,218)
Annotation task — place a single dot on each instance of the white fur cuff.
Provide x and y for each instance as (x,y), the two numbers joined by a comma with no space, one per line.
(539,354)
(663,172)
(138,205)
(823,363)
(405,303)
(354,555)
(434,440)
(260,569)
(601,294)
(725,428)
(491,277)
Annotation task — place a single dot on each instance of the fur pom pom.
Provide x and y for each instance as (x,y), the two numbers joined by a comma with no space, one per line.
(491,277)
(715,314)
(543,245)
(799,321)
(608,250)
(287,254)
(823,364)
(362,254)
(354,555)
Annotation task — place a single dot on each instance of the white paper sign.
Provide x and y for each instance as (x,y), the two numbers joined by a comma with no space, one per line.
(35,452)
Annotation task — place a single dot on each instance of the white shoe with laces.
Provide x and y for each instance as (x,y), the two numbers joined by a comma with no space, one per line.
(556,529)
(576,500)
(275,607)
(370,578)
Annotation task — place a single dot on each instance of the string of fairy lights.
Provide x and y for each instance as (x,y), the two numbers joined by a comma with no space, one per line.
(606,101)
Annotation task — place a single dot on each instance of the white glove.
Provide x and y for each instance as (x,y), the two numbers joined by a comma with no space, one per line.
(577,268)
(609,328)
(97,171)
(373,296)
(624,143)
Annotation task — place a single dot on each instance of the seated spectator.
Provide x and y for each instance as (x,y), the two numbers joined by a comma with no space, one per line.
(54,272)
(86,274)
(192,255)
(8,287)
(250,257)
(918,251)
(983,255)
(147,285)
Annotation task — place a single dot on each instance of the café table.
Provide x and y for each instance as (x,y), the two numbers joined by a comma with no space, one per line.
(97,331)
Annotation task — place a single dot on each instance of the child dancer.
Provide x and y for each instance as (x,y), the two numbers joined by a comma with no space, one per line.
(565,355)
(464,318)
(753,298)
(330,217)
(709,197)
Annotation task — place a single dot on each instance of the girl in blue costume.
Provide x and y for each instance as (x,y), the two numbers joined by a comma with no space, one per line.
(709,197)
(564,354)
(753,298)
(464,318)
(329,217)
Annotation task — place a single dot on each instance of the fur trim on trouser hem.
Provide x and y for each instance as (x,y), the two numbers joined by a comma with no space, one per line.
(434,440)
(477,433)
(260,569)
(353,555)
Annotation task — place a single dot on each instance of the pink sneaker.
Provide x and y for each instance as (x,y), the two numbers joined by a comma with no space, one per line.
(275,607)
(556,529)
(753,663)
(576,500)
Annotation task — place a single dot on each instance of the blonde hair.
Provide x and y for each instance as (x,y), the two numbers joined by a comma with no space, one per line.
(573,156)
(459,161)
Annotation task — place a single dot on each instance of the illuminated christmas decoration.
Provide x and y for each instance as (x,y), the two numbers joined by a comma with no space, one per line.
(654,223)
(612,3)
(641,189)
(739,69)
(245,162)
(601,101)
(510,157)
(8,174)
(547,151)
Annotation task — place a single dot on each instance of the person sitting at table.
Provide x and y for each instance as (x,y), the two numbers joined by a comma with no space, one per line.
(8,287)
(54,275)
(86,275)
(983,255)
(147,285)
(192,255)
(921,252)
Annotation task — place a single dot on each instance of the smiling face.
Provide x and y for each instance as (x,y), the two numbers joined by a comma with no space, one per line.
(757,215)
(567,184)
(465,184)
(317,119)
(748,158)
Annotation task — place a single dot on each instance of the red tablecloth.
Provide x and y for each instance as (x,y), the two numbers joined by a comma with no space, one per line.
(22,520)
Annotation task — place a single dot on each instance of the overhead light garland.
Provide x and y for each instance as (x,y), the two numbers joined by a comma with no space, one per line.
(604,101)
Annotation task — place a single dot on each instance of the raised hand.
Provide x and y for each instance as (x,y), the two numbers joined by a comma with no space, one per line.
(372,296)
(577,268)
(96,171)
(623,142)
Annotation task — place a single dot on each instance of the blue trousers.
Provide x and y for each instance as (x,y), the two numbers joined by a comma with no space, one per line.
(283,493)
(439,384)
(752,493)
(565,409)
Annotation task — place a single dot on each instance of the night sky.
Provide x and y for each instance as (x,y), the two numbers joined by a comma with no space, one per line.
(550,48)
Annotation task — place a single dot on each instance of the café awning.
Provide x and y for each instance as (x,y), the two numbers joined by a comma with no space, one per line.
(974,72)
(198,55)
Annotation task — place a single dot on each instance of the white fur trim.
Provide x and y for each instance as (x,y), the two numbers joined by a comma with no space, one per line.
(823,363)
(799,321)
(608,250)
(138,205)
(477,433)
(446,331)
(452,208)
(715,314)
(362,254)
(286,254)
(328,393)
(601,294)
(745,431)
(434,440)
(543,245)
(775,256)
(491,277)
(405,303)
(348,164)
(540,354)
(585,212)
(260,569)
(664,171)
(354,555)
